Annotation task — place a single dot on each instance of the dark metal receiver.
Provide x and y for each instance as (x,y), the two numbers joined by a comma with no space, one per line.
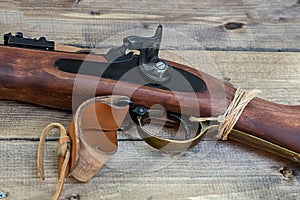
(150,65)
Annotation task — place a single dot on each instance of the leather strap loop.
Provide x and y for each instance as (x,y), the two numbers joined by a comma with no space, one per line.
(63,151)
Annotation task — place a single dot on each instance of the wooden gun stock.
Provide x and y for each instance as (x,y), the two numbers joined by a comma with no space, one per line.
(31,76)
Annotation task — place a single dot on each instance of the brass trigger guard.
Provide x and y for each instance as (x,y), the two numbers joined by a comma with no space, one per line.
(170,145)
(140,115)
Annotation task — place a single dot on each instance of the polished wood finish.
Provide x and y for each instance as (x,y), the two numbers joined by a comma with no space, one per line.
(31,76)
(211,170)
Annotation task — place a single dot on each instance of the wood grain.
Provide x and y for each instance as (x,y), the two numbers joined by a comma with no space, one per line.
(224,170)
(39,82)
(255,175)
(268,25)
(204,173)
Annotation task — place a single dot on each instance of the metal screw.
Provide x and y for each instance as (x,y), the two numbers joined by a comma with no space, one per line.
(161,65)
(295,159)
(141,110)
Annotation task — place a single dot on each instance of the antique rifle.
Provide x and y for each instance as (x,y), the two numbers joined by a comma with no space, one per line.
(33,71)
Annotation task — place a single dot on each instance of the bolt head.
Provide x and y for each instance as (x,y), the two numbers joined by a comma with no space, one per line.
(161,65)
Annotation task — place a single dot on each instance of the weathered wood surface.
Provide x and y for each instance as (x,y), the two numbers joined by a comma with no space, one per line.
(259,25)
(222,170)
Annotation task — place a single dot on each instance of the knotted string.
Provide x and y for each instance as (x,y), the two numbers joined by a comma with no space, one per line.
(232,114)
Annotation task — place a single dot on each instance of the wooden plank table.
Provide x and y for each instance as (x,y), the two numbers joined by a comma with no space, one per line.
(260,43)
